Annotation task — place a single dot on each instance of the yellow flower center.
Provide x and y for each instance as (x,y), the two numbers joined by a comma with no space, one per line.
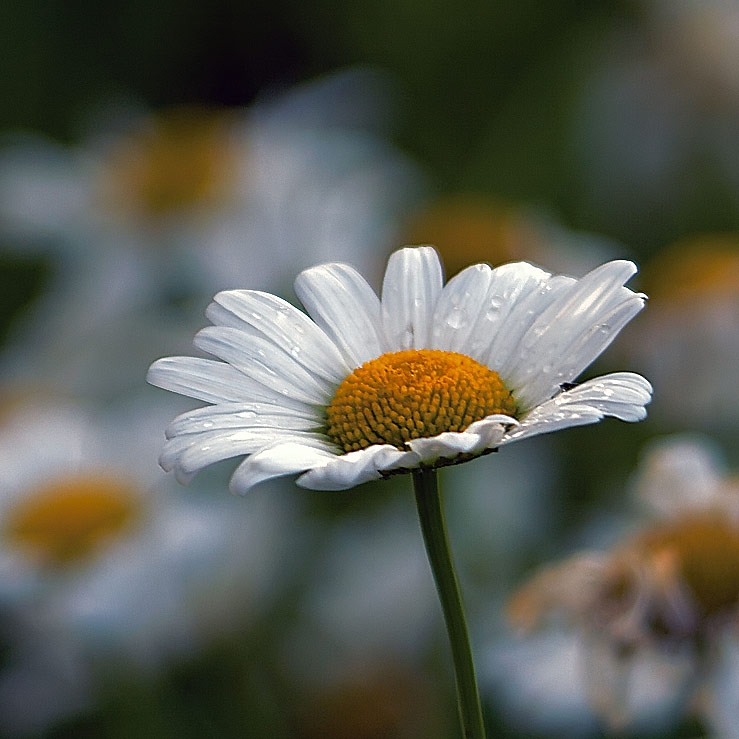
(68,519)
(704,551)
(181,160)
(413,394)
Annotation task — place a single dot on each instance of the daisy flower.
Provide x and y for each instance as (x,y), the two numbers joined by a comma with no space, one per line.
(424,376)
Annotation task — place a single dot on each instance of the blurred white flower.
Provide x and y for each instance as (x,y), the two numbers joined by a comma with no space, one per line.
(646,624)
(153,209)
(212,197)
(102,565)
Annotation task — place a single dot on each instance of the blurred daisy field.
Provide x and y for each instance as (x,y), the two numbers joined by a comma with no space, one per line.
(570,172)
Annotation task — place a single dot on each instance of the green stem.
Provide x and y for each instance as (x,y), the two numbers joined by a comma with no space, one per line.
(433,527)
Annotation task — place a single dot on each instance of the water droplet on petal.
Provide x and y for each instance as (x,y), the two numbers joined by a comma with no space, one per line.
(456,319)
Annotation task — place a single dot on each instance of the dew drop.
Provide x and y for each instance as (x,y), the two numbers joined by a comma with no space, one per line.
(456,319)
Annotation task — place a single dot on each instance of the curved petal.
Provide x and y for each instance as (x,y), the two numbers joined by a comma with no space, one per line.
(264,362)
(412,285)
(491,428)
(622,395)
(572,331)
(478,436)
(284,325)
(617,387)
(518,293)
(284,458)
(446,445)
(343,304)
(191,453)
(242,415)
(214,382)
(346,471)
(459,307)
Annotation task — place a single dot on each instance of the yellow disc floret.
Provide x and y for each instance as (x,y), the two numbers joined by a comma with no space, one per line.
(413,394)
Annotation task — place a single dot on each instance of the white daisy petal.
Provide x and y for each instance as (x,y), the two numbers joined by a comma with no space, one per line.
(242,415)
(346,471)
(492,428)
(281,459)
(412,285)
(246,443)
(264,362)
(562,362)
(545,420)
(459,309)
(622,395)
(478,436)
(343,304)
(216,446)
(446,445)
(213,382)
(621,387)
(517,296)
(572,331)
(284,324)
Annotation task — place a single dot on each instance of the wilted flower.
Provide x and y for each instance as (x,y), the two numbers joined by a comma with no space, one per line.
(665,600)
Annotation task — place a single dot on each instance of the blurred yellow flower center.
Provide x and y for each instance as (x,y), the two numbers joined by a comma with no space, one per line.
(413,394)
(468,229)
(698,268)
(180,160)
(704,552)
(68,519)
